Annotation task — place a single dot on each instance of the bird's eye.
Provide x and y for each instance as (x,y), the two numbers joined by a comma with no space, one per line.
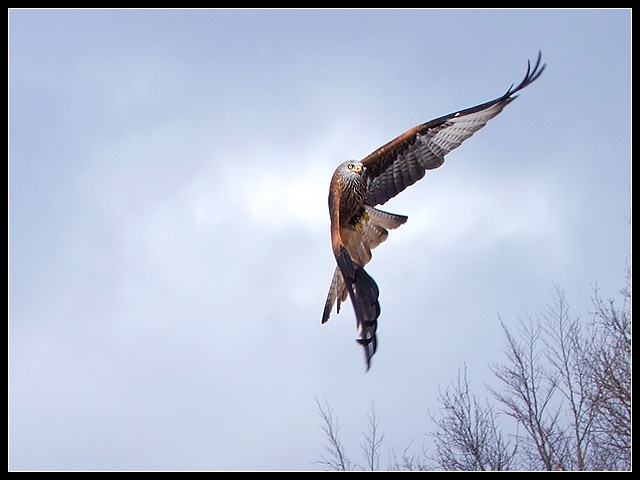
(351,166)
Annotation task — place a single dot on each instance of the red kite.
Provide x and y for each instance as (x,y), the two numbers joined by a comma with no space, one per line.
(358,186)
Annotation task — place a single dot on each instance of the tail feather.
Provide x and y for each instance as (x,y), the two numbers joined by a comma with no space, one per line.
(364,294)
(337,293)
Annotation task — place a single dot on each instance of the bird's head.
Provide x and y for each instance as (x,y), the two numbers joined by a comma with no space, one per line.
(352,167)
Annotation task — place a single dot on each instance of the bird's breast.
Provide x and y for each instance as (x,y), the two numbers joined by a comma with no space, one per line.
(352,194)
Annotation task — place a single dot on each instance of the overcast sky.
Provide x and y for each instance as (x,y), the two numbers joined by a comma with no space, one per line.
(169,251)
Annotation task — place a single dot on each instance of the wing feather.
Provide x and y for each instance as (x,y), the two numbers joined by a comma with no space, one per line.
(405,160)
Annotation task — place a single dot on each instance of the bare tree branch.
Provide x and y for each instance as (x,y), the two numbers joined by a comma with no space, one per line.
(610,370)
(409,461)
(372,441)
(468,437)
(336,458)
(529,389)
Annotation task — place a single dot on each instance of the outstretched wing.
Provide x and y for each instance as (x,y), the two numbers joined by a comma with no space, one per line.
(403,161)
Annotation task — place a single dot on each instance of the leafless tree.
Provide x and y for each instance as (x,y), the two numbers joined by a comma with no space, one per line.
(527,390)
(372,441)
(609,363)
(567,384)
(568,349)
(467,436)
(410,461)
(336,458)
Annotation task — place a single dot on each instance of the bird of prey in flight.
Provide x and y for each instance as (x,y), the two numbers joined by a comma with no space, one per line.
(357,187)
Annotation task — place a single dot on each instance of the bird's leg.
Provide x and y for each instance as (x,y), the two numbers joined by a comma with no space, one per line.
(360,220)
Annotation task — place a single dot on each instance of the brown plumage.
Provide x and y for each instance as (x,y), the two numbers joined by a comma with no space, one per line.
(358,186)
